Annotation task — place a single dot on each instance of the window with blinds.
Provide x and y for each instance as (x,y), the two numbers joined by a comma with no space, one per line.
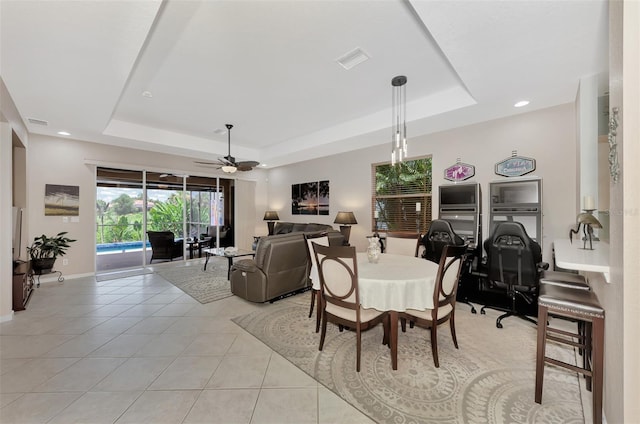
(401,196)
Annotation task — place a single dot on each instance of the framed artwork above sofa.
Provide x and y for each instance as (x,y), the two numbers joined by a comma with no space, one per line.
(310,198)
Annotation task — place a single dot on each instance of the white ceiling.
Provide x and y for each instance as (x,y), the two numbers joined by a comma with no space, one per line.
(269,67)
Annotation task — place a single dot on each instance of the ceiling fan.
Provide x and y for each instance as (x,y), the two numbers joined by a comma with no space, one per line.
(228,163)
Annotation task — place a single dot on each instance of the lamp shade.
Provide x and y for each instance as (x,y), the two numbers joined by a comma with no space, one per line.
(229,169)
(345,218)
(271,216)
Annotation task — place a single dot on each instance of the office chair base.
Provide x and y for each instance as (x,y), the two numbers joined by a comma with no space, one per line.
(507,313)
(473,308)
(511,314)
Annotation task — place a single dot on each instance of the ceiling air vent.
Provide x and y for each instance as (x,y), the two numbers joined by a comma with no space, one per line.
(353,58)
(37,121)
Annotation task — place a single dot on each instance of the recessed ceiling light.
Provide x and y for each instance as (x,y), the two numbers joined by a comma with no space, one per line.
(263,164)
(63,133)
(521,103)
(147,94)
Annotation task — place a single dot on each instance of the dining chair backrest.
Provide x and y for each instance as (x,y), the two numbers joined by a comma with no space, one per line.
(399,243)
(322,240)
(338,271)
(448,276)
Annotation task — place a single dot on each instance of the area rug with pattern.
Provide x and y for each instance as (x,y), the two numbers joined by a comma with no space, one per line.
(489,379)
(204,286)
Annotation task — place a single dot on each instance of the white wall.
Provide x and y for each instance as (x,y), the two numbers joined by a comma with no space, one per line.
(54,160)
(6,270)
(10,123)
(620,297)
(547,135)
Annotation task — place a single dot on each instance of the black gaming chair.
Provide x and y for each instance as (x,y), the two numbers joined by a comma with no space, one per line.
(440,235)
(514,263)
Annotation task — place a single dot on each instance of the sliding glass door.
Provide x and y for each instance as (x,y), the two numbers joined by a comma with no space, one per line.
(119,219)
(131,203)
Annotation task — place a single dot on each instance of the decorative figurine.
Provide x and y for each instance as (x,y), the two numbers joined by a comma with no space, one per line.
(589,222)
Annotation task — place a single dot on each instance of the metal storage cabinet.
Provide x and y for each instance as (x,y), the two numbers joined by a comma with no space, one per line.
(461,206)
(517,199)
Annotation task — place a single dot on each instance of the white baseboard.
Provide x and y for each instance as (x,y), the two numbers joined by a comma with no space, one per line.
(4,318)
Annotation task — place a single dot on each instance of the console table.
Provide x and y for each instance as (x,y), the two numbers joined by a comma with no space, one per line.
(573,256)
(22,285)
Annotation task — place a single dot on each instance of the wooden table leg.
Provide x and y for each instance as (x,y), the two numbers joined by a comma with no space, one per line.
(230,258)
(393,338)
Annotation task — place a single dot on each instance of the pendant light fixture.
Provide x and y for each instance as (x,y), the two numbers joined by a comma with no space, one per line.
(399,119)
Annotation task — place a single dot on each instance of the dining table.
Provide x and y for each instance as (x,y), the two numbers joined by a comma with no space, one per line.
(394,284)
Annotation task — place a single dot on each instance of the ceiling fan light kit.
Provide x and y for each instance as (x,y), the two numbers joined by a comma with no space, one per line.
(228,163)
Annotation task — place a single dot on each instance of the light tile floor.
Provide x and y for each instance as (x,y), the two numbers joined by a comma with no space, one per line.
(139,350)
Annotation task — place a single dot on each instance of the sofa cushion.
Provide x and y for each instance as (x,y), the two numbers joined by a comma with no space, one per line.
(283,227)
(316,228)
(298,227)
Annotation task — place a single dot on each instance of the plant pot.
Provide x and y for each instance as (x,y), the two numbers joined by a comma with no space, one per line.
(42,265)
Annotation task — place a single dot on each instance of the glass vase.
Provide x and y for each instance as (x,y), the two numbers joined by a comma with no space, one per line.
(373,251)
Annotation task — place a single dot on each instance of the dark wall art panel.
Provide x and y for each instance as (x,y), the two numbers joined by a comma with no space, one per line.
(310,198)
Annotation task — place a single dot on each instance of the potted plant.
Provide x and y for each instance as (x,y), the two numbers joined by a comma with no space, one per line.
(44,251)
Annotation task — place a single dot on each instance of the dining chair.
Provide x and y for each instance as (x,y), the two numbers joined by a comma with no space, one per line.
(440,234)
(399,243)
(322,240)
(340,298)
(444,299)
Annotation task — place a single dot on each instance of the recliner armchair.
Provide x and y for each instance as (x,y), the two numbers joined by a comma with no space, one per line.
(280,267)
(514,263)
(164,245)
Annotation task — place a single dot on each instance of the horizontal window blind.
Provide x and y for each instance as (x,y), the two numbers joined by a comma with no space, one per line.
(397,194)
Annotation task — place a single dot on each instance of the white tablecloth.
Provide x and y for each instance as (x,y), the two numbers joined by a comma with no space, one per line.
(395,283)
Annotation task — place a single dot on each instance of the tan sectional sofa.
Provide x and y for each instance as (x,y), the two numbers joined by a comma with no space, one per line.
(335,236)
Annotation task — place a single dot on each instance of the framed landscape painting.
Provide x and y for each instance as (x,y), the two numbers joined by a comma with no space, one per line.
(61,200)
(310,198)
(323,198)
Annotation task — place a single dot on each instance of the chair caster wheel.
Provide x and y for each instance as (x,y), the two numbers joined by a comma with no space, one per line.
(473,310)
(499,325)
(483,312)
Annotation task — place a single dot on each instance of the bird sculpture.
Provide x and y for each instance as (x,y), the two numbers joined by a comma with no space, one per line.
(588,223)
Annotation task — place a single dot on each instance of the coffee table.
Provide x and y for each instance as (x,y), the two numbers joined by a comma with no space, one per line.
(220,251)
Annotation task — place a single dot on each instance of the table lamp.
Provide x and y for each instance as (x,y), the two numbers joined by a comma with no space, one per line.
(346,219)
(270,217)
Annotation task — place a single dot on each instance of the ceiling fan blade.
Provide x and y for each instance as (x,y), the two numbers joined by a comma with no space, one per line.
(200,162)
(247,165)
